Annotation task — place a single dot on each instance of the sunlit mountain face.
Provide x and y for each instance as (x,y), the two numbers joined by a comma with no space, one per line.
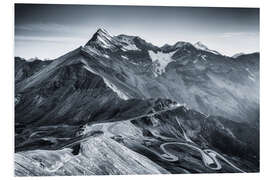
(122,105)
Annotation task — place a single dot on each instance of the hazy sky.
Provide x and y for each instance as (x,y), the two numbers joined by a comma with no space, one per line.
(48,31)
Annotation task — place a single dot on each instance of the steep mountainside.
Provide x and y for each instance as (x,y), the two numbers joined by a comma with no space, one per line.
(25,69)
(121,93)
(212,83)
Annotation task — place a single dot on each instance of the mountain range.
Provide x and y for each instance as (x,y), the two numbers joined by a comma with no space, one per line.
(121,105)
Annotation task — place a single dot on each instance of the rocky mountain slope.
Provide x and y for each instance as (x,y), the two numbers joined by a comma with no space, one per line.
(178,108)
(25,69)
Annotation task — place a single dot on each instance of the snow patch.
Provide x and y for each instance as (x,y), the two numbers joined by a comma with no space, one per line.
(130,47)
(121,94)
(94,52)
(104,39)
(127,43)
(161,59)
(115,89)
(103,42)
(175,105)
(91,70)
(237,55)
(124,57)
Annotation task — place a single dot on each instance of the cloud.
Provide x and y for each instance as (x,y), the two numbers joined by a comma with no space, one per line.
(52,27)
(48,39)
(238,34)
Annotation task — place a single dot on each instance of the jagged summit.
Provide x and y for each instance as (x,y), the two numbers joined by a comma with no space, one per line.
(101,36)
(180,44)
(199,45)
(102,40)
(125,36)
(103,33)
(102,30)
(177,45)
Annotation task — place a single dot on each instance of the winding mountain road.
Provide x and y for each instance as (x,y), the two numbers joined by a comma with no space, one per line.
(209,157)
(214,155)
(207,160)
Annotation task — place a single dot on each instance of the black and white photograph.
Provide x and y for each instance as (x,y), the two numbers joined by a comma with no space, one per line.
(135,90)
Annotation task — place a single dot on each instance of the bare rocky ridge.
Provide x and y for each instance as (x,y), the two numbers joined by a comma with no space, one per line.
(135,97)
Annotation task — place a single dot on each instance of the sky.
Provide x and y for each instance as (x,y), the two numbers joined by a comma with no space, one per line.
(49,31)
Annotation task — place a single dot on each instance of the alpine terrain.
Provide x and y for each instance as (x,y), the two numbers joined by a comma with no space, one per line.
(121,105)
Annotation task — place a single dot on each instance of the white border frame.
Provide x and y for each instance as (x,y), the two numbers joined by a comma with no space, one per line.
(7,84)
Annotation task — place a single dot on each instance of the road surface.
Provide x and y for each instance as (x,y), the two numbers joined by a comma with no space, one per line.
(209,157)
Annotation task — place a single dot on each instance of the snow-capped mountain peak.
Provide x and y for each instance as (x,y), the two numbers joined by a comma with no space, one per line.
(127,42)
(199,45)
(180,44)
(103,33)
(237,55)
(102,30)
(102,38)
